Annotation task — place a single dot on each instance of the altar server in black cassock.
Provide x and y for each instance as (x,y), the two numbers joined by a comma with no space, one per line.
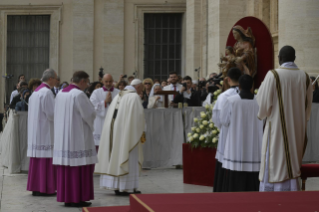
(242,151)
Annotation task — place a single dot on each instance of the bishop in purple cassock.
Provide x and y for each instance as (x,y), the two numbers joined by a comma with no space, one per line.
(74,148)
(42,174)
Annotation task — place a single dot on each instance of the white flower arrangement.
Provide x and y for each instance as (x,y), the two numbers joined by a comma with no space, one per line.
(204,132)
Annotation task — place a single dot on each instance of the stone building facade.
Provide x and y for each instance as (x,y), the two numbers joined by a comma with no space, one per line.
(88,34)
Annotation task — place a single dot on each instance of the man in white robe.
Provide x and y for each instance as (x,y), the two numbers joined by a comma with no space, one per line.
(242,151)
(233,75)
(284,98)
(74,149)
(42,173)
(101,99)
(120,155)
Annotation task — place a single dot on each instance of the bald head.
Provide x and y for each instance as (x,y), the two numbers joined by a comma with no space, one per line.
(107,81)
(287,54)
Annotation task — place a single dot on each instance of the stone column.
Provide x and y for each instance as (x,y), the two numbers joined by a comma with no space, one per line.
(298,27)
(109,37)
(193,36)
(222,15)
(83,25)
(113,43)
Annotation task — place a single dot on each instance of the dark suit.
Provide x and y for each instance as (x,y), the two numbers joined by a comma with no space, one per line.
(192,102)
(53,91)
(14,101)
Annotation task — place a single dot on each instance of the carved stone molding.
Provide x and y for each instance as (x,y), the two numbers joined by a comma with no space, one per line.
(139,10)
(55,11)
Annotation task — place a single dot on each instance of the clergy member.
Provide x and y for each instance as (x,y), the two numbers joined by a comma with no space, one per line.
(74,149)
(120,154)
(242,151)
(101,99)
(42,173)
(284,98)
(233,75)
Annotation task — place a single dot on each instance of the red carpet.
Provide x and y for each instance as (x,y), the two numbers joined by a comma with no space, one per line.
(107,209)
(227,202)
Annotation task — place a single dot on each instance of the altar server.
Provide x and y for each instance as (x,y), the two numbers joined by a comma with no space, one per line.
(42,174)
(284,98)
(242,151)
(121,155)
(74,149)
(101,99)
(233,75)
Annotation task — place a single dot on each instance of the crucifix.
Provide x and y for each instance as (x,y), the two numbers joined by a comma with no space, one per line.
(165,94)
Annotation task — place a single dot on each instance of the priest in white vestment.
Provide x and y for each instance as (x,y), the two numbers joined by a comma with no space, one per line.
(74,148)
(242,151)
(101,99)
(233,75)
(42,173)
(284,98)
(120,154)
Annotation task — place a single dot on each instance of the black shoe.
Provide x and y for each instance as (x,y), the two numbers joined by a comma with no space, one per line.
(117,192)
(85,204)
(35,193)
(78,205)
(39,194)
(68,204)
(137,192)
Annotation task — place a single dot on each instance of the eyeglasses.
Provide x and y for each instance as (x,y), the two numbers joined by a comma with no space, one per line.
(147,83)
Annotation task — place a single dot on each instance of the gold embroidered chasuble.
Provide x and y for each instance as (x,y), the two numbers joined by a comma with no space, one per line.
(122,132)
(284,98)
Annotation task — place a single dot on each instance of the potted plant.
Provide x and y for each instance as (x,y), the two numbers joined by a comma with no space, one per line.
(199,152)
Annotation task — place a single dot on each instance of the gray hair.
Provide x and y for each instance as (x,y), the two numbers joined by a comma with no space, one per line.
(47,74)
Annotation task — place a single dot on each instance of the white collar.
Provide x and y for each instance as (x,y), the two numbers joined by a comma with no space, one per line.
(289,65)
(129,87)
(46,84)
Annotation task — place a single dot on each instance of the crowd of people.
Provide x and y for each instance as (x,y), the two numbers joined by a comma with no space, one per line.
(192,92)
(78,128)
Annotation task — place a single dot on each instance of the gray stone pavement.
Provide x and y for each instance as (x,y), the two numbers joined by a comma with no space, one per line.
(14,197)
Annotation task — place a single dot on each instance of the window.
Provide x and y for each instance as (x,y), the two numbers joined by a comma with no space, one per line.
(162,44)
(28,45)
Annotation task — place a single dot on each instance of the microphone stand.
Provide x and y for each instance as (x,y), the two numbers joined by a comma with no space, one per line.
(314,82)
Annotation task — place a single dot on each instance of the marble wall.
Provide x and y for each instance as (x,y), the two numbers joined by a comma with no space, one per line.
(109,33)
(298,27)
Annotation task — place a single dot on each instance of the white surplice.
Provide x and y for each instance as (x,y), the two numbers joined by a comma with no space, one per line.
(40,123)
(216,120)
(285,130)
(243,143)
(97,98)
(120,154)
(73,129)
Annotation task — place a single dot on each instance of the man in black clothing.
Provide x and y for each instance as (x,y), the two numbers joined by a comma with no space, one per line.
(187,94)
(17,99)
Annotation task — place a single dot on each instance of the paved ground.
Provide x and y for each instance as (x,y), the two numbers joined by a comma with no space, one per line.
(14,197)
